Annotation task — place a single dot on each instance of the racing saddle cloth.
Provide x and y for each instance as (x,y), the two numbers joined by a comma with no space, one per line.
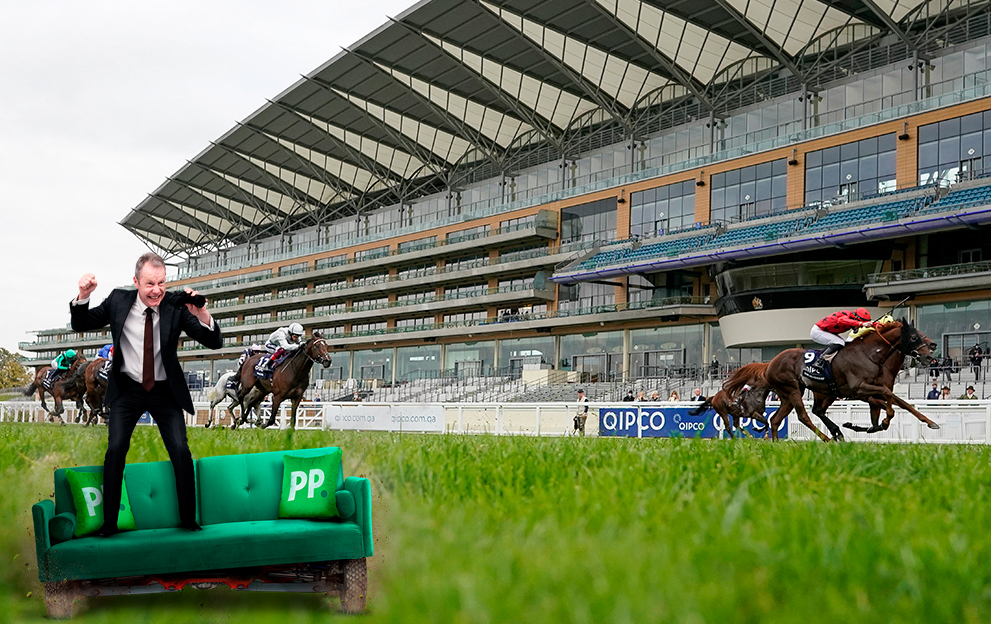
(104,373)
(824,374)
(50,378)
(265,367)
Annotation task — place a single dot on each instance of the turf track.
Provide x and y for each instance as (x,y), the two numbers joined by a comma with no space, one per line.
(487,529)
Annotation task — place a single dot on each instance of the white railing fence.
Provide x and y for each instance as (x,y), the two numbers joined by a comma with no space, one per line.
(961,422)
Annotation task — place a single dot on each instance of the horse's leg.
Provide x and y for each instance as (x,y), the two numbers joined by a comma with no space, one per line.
(276,401)
(875,404)
(795,398)
(820,405)
(292,416)
(778,417)
(891,397)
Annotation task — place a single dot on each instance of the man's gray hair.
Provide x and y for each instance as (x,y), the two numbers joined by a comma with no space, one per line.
(152,257)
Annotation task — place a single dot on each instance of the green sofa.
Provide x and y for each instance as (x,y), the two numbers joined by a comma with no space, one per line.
(243,544)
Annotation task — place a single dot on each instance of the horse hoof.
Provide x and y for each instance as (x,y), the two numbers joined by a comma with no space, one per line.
(933,426)
(848,425)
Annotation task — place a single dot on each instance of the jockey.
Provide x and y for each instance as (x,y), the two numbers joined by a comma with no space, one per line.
(282,341)
(825,332)
(62,362)
(106,351)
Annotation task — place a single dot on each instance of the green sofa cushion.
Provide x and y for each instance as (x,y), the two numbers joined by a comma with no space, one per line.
(308,488)
(87,498)
(345,503)
(245,488)
(151,489)
(62,527)
(219,546)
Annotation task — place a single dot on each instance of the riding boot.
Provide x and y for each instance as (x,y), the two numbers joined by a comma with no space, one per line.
(826,356)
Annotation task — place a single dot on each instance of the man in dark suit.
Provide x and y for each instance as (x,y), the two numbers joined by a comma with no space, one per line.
(145,374)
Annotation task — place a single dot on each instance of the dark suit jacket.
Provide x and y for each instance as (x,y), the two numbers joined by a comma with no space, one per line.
(173,319)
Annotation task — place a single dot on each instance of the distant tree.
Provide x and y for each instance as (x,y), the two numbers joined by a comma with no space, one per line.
(11,373)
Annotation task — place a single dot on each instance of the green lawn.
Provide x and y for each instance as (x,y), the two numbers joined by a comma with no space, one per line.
(486,529)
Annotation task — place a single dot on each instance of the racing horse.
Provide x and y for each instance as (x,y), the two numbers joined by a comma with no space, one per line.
(67,386)
(726,403)
(218,393)
(865,370)
(96,390)
(289,381)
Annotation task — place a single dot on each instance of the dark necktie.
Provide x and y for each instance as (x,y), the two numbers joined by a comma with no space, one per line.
(148,369)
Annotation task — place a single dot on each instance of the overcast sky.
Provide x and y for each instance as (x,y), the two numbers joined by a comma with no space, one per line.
(100,101)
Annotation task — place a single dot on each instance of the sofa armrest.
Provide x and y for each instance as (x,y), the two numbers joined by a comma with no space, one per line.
(361,489)
(42,513)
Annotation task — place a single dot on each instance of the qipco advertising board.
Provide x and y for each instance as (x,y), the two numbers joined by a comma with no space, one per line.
(675,421)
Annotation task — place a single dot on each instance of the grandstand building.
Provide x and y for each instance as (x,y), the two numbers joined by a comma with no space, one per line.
(596,189)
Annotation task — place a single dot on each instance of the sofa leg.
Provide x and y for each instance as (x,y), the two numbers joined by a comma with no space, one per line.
(58,599)
(355,586)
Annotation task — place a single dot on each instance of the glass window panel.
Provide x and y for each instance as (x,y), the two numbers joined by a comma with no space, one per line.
(718,198)
(831,155)
(748,174)
(831,176)
(928,155)
(813,179)
(779,187)
(812,197)
(886,143)
(868,167)
(987,141)
(971,146)
(949,128)
(848,152)
(718,180)
(929,134)
(813,159)
(732,177)
(886,164)
(780,167)
(971,123)
(748,192)
(764,170)
(868,146)
(848,171)
(949,149)
(764,188)
(732,196)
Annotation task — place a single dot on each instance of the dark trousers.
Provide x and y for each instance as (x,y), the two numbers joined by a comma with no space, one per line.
(132,402)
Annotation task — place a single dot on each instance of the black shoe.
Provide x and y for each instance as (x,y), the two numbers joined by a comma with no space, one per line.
(192,527)
(106,531)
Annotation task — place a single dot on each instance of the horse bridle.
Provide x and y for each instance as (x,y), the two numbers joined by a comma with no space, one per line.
(321,361)
(913,353)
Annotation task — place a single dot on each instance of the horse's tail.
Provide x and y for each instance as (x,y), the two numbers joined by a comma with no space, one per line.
(753,374)
(704,405)
(30,389)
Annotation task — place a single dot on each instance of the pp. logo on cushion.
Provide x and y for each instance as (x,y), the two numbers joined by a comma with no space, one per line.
(309,486)
(87,497)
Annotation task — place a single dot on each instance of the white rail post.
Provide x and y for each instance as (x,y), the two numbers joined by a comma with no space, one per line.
(538,421)
(461,413)
(987,423)
(499,419)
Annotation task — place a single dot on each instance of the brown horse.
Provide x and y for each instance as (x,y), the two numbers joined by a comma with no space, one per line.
(96,389)
(289,381)
(726,403)
(67,386)
(865,369)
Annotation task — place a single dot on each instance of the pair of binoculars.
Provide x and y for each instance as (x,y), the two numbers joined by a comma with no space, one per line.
(197,300)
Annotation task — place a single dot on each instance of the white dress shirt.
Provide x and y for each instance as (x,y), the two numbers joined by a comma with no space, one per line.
(132,340)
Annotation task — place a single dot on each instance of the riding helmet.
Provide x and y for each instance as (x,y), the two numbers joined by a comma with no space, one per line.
(862,314)
(297,330)
(69,353)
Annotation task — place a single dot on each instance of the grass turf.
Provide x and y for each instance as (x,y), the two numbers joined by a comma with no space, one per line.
(487,529)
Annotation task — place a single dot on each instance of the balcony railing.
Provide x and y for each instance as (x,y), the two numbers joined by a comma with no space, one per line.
(509,318)
(929,272)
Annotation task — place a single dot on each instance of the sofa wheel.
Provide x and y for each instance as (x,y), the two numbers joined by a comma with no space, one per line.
(355,586)
(58,600)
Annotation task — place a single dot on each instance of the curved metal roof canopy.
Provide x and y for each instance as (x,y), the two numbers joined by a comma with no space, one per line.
(455,91)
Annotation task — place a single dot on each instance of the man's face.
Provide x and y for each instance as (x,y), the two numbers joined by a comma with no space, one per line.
(150,283)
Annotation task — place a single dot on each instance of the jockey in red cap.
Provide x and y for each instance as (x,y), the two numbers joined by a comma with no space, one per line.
(825,332)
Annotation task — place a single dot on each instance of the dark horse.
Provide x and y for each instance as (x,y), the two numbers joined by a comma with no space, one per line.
(726,403)
(96,389)
(865,369)
(289,381)
(67,386)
